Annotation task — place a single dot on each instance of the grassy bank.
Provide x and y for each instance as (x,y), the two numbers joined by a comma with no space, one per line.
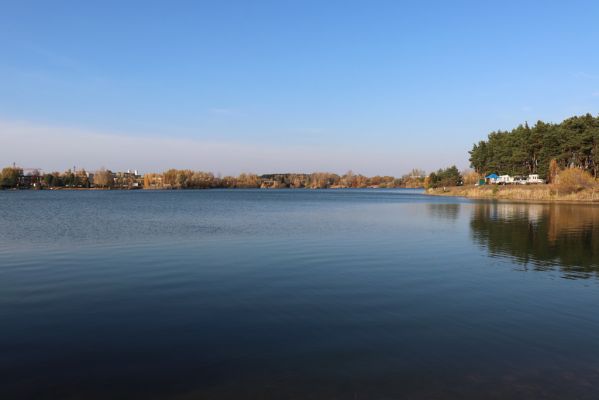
(520,193)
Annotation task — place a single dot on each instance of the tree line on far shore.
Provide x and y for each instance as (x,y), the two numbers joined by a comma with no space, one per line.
(572,143)
(13,177)
(188,179)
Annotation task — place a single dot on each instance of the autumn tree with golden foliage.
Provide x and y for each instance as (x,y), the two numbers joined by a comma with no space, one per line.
(103,178)
(574,180)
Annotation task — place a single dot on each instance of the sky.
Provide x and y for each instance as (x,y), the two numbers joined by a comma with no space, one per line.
(377,87)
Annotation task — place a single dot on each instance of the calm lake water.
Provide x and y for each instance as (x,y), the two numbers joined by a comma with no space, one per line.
(359,294)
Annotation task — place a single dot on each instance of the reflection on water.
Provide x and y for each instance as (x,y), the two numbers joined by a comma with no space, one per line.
(542,236)
(449,211)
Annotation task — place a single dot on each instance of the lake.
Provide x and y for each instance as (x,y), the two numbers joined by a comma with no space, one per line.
(296,294)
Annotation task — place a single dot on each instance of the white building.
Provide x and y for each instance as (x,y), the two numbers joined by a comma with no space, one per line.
(533,179)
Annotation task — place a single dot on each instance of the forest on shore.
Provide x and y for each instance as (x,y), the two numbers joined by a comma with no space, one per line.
(572,143)
(565,155)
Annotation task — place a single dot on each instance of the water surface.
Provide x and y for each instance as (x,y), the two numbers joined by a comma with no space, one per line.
(292,294)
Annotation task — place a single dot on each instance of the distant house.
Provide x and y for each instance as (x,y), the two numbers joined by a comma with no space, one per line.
(30,179)
(505,180)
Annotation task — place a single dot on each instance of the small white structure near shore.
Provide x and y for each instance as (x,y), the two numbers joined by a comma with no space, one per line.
(504,180)
(532,179)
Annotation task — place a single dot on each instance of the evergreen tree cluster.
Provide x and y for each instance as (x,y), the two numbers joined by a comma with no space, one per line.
(445,177)
(573,143)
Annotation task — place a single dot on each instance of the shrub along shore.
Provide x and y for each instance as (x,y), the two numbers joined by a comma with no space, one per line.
(531,193)
(570,184)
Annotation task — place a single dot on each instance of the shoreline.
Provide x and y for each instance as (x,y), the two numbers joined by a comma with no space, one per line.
(525,194)
(192,188)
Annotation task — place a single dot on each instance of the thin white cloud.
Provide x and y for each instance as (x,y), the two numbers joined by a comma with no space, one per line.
(57,148)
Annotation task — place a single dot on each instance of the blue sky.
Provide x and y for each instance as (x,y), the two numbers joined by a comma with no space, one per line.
(229,86)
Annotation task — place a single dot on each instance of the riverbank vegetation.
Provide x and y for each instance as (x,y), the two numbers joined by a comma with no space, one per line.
(566,155)
(14,177)
(10,176)
(520,193)
(570,184)
(188,179)
(444,177)
(572,143)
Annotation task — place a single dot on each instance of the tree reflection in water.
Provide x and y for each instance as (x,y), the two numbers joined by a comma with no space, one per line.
(561,237)
(450,211)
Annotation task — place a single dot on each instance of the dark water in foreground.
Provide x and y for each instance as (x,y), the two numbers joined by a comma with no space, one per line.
(296,295)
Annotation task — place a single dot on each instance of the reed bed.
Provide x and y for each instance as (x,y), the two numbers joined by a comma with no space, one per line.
(524,193)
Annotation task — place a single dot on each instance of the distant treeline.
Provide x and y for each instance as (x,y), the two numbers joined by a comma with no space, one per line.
(573,143)
(184,179)
(14,177)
